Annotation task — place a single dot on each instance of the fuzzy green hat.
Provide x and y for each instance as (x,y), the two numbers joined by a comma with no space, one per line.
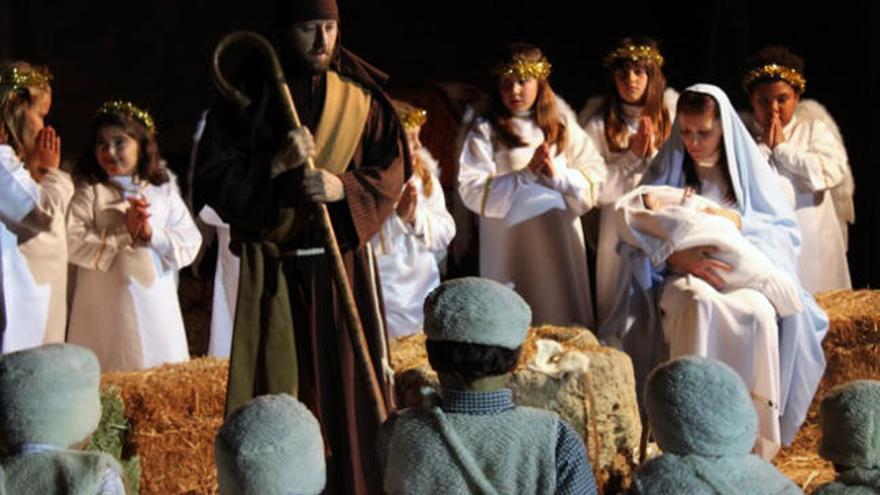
(48,395)
(850,418)
(476,310)
(700,406)
(270,445)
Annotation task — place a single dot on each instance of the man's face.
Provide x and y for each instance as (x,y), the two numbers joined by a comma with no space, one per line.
(313,42)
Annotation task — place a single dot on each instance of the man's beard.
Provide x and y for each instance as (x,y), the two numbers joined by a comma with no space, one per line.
(311,66)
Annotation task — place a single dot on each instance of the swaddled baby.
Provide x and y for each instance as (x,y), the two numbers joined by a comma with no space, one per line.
(660,220)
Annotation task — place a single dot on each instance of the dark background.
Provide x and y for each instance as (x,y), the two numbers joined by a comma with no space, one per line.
(156,54)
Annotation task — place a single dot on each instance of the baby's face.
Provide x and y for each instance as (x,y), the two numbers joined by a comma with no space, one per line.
(656,202)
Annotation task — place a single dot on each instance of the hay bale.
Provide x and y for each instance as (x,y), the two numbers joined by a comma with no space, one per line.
(852,352)
(600,404)
(175,412)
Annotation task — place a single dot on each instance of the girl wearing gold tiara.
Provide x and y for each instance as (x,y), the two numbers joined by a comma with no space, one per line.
(34,195)
(129,233)
(529,171)
(627,125)
(802,142)
(414,237)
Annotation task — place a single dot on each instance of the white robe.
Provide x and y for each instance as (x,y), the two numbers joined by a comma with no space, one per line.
(407,255)
(530,231)
(624,173)
(33,250)
(738,328)
(814,162)
(125,307)
(225,287)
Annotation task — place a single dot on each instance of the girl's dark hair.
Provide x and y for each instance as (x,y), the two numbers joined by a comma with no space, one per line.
(149,166)
(616,133)
(471,361)
(695,103)
(779,55)
(546,114)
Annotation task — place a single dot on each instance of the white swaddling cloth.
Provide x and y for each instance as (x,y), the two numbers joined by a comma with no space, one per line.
(678,222)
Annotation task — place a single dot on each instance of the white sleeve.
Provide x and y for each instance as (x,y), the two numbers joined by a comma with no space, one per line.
(86,245)
(434,225)
(20,193)
(622,173)
(177,242)
(481,190)
(822,165)
(56,190)
(585,174)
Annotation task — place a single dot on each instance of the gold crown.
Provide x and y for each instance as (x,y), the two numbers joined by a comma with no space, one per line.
(634,53)
(128,108)
(32,77)
(524,69)
(775,72)
(414,119)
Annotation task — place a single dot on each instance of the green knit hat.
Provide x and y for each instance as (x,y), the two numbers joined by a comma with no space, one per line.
(476,310)
(49,395)
(270,445)
(850,417)
(700,406)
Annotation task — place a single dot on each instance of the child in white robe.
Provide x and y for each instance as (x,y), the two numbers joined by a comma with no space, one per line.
(413,238)
(627,126)
(801,141)
(33,243)
(530,172)
(129,233)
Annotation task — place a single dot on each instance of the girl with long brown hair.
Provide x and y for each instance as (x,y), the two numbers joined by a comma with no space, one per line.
(529,172)
(34,197)
(129,232)
(627,125)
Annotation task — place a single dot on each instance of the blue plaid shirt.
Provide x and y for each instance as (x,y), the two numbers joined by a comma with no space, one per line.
(573,472)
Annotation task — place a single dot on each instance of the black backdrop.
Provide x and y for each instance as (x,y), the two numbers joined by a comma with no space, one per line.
(156,53)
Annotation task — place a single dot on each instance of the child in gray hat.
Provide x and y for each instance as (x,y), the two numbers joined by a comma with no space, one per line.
(475,440)
(850,417)
(50,406)
(704,422)
(271,445)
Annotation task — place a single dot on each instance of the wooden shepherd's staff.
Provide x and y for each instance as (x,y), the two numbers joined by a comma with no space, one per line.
(352,318)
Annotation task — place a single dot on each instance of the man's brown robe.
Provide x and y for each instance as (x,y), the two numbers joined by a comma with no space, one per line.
(233,176)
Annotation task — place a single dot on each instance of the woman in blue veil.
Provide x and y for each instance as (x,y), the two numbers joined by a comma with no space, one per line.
(673,302)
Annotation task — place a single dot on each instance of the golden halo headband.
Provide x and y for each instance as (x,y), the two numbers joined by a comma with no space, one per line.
(634,53)
(128,108)
(776,72)
(35,77)
(414,119)
(523,69)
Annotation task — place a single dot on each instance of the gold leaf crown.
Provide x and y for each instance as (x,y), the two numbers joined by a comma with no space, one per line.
(775,72)
(31,77)
(414,119)
(525,69)
(634,53)
(133,111)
